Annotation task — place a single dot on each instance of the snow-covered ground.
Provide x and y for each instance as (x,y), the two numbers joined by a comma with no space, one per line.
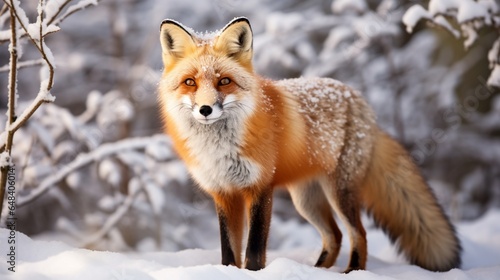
(36,259)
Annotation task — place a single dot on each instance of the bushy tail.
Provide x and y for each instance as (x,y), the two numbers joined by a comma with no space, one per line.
(405,207)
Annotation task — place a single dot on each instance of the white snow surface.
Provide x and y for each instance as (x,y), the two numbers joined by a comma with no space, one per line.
(55,260)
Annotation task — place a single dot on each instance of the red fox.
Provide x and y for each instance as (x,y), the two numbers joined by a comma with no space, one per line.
(242,135)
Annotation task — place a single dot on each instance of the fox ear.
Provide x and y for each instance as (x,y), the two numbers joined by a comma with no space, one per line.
(176,41)
(236,40)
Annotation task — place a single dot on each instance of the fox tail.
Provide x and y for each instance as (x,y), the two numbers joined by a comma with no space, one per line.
(404,206)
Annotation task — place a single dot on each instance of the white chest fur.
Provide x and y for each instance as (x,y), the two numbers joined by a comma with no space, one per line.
(216,149)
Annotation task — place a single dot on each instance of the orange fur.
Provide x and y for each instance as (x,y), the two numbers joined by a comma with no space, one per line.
(279,134)
(423,232)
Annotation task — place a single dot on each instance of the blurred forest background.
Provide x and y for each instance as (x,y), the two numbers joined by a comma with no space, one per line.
(93,168)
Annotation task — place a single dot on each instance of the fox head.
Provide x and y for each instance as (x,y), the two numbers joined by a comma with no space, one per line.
(208,75)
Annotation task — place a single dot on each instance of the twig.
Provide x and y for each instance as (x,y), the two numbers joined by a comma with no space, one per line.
(61,8)
(22,34)
(75,8)
(40,21)
(11,106)
(4,10)
(21,120)
(23,64)
(39,45)
(54,20)
(84,159)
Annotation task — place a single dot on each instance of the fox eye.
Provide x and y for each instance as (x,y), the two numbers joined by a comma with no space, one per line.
(224,81)
(189,82)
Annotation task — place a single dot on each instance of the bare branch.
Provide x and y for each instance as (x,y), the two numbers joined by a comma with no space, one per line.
(40,22)
(3,11)
(23,64)
(23,118)
(11,110)
(22,34)
(38,43)
(75,8)
(13,72)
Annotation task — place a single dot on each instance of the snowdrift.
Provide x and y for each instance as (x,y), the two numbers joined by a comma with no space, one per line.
(36,259)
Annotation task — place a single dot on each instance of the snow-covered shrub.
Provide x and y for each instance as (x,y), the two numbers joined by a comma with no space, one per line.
(463,19)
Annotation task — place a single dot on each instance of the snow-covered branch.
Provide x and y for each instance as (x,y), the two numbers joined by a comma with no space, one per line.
(11,107)
(55,12)
(23,64)
(470,15)
(71,10)
(96,155)
(54,8)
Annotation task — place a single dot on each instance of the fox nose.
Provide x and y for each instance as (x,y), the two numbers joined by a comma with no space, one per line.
(205,110)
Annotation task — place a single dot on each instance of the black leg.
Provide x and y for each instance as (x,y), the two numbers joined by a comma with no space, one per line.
(230,210)
(260,219)
(227,252)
